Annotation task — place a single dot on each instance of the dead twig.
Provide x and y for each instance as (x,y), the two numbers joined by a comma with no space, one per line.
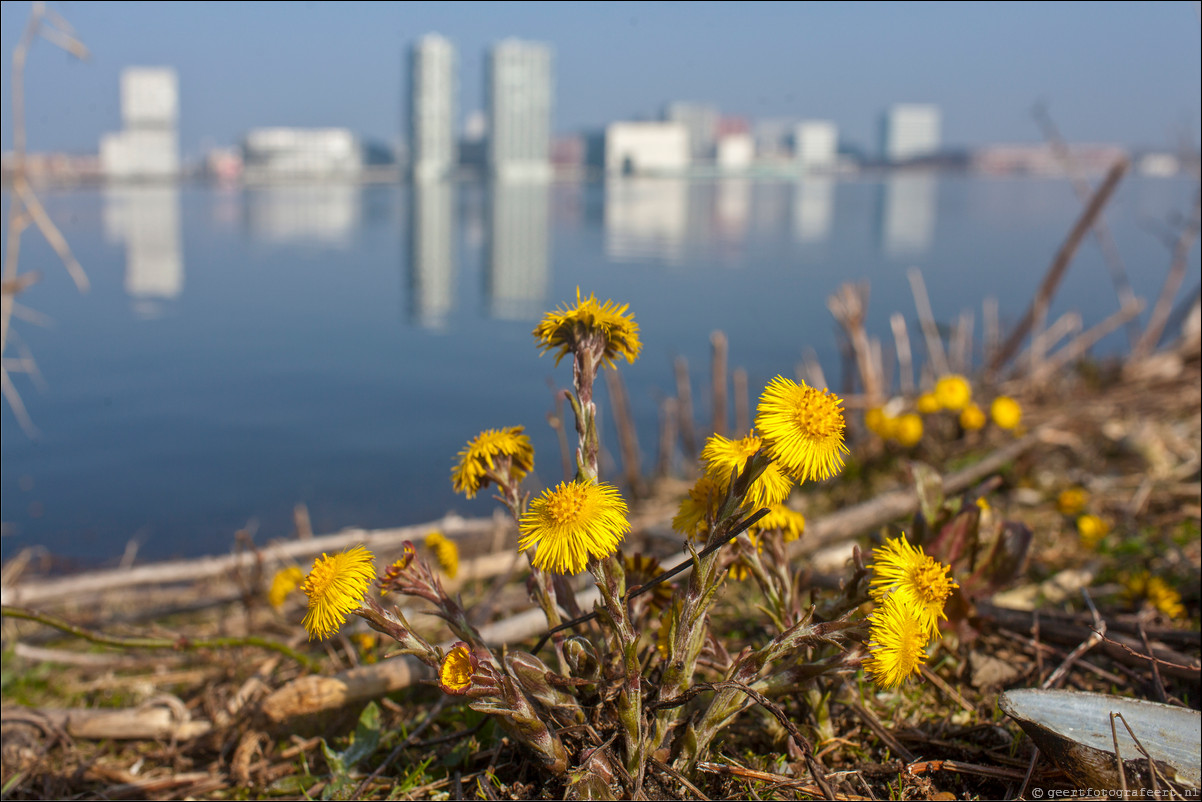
(1037,311)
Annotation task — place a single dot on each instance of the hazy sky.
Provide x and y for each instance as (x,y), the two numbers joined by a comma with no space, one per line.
(1110,72)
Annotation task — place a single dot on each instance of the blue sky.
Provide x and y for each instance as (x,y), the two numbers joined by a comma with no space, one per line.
(1110,72)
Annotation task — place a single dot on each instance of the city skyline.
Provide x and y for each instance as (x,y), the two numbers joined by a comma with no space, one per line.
(323,65)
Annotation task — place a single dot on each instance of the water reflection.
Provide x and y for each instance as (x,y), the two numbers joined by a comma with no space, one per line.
(324,214)
(146,220)
(646,218)
(907,216)
(732,209)
(813,209)
(431,253)
(518,272)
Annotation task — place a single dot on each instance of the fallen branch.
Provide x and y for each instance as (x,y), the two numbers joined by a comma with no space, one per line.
(149,722)
(81,587)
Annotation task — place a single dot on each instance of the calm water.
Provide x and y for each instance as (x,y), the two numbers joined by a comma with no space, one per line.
(244,350)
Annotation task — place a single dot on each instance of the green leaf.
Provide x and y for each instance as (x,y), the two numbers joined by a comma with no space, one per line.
(366,739)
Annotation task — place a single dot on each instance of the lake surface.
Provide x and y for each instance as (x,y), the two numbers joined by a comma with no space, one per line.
(243,350)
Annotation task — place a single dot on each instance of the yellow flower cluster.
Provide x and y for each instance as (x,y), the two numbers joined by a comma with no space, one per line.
(568,328)
(954,394)
(445,552)
(1158,593)
(906,429)
(800,428)
(910,589)
(724,457)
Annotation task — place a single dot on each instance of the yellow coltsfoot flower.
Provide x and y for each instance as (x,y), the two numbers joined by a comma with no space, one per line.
(701,505)
(897,642)
(479,457)
(1006,413)
(1072,500)
(789,522)
(928,404)
(455,673)
(920,582)
(445,552)
(284,582)
(723,457)
(972,418)
(907,429)
(336,587)
(1092,530)
(571,523)
(588,324)
(802,429)
(953,392)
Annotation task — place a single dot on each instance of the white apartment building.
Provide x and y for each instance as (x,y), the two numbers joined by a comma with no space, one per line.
(519,98)
(433,103)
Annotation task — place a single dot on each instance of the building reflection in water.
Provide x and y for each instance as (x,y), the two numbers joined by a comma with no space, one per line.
(732,209)
(516,280)
(646,219)
(431,252)
(813,209)
(312,213)
(907,217)
(146,220)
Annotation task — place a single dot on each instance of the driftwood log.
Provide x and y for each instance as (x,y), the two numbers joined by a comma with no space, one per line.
(80,588)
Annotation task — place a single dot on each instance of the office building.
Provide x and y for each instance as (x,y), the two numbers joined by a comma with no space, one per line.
(519,90)
(816,145)
(633,148)
(147,147)
(910,131)
(433,103)
(273,154)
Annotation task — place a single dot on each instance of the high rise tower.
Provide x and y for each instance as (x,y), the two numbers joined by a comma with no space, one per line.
(433,91)
(910,131)
(147,147)
(519,87)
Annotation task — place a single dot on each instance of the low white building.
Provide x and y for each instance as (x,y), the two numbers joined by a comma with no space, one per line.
(270,154)
(736,152)
(140,153)
(816,145)
(633,148)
